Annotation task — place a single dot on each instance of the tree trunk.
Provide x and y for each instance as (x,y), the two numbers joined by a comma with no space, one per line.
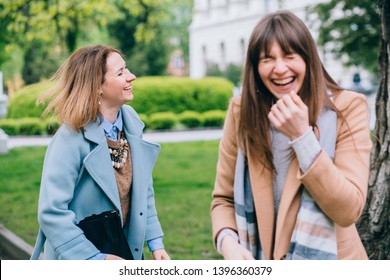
(374,224)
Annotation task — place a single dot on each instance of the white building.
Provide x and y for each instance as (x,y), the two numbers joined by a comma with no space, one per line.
(220,31)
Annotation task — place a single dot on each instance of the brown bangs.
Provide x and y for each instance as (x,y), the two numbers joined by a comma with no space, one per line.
(285,34)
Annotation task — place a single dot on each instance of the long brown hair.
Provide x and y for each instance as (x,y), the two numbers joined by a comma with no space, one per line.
(77,84)
(286,29)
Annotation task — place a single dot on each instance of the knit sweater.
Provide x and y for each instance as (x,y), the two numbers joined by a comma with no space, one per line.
(123,177)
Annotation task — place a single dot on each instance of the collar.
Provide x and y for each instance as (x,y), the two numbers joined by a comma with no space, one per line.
(107,126)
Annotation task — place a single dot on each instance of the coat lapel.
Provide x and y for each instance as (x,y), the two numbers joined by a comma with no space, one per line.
(261,182)
(288,209)
(264,203)
(143,157)
(143,154)
(98,163)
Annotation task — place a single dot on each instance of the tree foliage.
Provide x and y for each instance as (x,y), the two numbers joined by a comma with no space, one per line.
(140,35)
(47,31)
(43,20)
(350,29)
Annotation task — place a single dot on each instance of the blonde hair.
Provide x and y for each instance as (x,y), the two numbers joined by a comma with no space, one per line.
(74,97)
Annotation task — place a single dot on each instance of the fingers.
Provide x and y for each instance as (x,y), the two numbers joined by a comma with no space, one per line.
(232,250)
(297,100)
(282,111)
(160,254)
(290,115)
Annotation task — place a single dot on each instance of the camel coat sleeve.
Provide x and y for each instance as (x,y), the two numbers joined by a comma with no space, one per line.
(340,187)
(222,206)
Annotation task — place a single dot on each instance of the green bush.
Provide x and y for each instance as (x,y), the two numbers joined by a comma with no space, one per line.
(30,126)
(155,121)
(152,95)
(9,126)
(162,120)
(191,119)
(23,103)
(25,126)
(214,118)
(163,94)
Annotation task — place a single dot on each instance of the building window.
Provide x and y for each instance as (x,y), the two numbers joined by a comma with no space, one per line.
(222,65)
(208,4)
(205,61)
(243,50)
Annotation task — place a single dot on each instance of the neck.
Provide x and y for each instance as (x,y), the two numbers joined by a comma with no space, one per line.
(109,114)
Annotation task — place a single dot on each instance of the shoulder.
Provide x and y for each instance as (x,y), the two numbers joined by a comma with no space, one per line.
(129,112)
(347,99)
(235,101)
(235,106)
(232,120)
(67,134)
(66,141)
(354,111)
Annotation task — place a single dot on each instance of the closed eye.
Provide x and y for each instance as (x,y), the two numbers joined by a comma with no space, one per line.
(265,59)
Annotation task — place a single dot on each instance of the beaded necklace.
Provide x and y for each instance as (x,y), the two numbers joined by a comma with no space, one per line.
(119,154)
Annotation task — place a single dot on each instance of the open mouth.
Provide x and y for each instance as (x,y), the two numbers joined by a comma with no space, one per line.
(283,82)
(128,88)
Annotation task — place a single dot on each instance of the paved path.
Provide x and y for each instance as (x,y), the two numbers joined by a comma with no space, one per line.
(157,137)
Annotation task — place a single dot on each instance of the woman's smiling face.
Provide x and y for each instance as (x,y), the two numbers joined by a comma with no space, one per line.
(281,72)
(117,86)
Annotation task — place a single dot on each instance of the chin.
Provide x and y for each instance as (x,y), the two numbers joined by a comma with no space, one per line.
(128,98)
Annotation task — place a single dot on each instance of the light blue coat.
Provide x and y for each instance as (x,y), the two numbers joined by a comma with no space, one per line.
(78,180)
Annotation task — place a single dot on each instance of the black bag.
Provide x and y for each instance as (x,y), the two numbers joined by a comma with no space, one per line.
(106,233)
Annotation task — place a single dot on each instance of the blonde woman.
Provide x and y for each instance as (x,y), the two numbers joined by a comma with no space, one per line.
(97,160)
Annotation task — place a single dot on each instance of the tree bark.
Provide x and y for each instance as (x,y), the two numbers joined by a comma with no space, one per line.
(374,224)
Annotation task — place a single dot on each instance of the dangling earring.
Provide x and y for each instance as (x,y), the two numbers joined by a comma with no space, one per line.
(100,98)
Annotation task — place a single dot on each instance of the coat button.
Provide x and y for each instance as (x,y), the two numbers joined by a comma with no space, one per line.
(136,249)
(140,213)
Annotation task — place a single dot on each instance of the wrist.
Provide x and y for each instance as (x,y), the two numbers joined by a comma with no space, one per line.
(225,233)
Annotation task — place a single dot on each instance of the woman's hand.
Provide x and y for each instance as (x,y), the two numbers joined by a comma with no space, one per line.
(112,257)
(160,254)
(231,250)
(290,116)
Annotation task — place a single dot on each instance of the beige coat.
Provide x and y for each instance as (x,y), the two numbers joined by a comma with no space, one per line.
(339,187)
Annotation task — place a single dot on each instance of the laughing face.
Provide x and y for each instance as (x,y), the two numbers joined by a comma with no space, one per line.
(281,72)
(117,87)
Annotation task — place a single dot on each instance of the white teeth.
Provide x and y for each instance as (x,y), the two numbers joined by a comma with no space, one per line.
(282,82)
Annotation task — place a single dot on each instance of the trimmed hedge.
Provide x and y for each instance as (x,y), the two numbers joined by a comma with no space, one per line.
(214,118)
(155,121)
(191,119)
(162,120)
(25,126)
(163,94)
(152,95)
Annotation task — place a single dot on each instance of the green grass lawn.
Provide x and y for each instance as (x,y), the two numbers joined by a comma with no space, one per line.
(183,181)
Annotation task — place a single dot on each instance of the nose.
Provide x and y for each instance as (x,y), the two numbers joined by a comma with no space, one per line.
(130,76)
(280,66)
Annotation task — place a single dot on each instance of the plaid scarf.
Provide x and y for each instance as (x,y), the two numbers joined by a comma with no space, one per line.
(314,235)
